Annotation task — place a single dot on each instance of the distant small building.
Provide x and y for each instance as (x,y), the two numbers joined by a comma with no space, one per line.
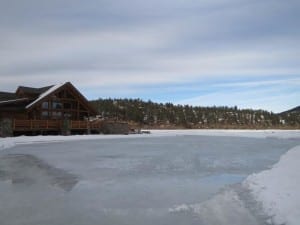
(45,108)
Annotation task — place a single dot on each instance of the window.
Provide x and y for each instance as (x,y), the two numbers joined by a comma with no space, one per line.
(56,115)
(67,115)
(56,105)
(45,105)
(83,115)
(45,115)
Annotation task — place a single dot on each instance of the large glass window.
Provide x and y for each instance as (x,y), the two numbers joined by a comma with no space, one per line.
(83,115)
(57,105)
(45,115)
(45,105)
(56,115)
(67,115)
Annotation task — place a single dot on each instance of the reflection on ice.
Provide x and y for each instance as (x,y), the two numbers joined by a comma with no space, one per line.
(25,169)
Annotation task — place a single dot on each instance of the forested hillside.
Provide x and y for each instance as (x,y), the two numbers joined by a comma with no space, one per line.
(149,114)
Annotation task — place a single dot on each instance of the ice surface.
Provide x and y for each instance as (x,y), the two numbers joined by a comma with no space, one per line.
(151,179)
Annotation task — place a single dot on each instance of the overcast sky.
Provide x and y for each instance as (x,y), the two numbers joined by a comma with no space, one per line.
(205,52)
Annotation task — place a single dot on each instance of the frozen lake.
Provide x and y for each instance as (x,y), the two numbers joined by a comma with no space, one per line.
(134,181)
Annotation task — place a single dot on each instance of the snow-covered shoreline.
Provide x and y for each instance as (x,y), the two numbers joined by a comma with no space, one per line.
(285,134)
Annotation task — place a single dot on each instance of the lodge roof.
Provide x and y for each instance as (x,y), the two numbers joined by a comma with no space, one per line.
(50,90)
(32,90)
(5,96)
(28,97)
(10,97)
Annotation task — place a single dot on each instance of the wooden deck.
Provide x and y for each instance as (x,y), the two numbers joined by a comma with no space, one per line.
(53,125)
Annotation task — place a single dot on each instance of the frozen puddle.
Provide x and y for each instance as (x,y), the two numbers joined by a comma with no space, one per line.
(182,180)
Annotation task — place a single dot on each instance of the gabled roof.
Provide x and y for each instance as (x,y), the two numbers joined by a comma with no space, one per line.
(35,96)
(56,88)
(45,94)
(31,90)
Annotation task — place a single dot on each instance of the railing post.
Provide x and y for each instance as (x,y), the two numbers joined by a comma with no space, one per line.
(88,126)
(66,127)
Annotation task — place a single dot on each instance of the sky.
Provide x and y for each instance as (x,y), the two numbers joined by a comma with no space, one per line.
(241,53)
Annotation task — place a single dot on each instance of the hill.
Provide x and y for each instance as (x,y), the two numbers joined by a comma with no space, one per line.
(148,114)
(293,110)
(292,116)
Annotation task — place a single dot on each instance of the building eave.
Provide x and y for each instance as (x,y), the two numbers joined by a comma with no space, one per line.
(13,100)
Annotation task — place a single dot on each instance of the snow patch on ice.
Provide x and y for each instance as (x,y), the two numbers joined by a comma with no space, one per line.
(278,189)
(224,208)
(6,143)
(181,208)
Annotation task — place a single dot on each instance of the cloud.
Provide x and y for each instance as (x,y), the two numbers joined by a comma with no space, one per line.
(135,46)
(276,93)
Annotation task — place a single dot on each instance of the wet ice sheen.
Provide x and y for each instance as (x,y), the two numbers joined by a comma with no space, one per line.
(167,180)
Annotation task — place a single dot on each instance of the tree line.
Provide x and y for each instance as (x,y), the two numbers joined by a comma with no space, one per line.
(167,115)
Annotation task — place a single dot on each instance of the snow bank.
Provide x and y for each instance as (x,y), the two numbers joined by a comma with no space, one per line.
(22,140)
(285,134)
(278,189)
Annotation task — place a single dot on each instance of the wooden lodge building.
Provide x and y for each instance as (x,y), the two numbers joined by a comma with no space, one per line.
(48,110)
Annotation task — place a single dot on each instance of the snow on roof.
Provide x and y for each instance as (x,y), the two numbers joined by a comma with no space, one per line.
(49,91)
(33,90)
(13,100)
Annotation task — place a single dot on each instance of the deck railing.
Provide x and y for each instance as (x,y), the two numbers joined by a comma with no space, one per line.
(29,125)
(77,124)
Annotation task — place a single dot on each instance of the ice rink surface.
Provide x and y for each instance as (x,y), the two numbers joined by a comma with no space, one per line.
(164,178)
